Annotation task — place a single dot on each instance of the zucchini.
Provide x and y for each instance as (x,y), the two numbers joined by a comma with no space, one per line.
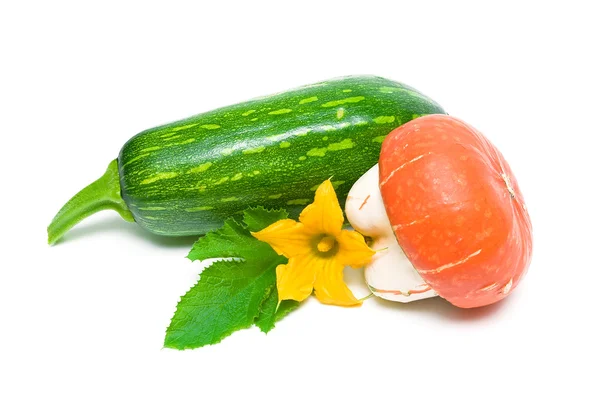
(187,177)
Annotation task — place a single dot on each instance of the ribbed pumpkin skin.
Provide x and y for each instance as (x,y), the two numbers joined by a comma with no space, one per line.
(187,177)
(456,209)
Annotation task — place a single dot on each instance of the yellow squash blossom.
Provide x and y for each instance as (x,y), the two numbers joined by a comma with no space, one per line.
(317,249)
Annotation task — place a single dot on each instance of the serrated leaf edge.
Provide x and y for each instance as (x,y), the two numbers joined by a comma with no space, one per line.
(217,339)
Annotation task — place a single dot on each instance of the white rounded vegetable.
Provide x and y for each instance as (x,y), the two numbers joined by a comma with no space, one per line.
(390,275)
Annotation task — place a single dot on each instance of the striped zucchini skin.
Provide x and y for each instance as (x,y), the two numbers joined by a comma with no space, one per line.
(187,177)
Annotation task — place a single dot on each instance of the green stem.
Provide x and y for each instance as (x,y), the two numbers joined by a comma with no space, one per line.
(103,194)
(366,297)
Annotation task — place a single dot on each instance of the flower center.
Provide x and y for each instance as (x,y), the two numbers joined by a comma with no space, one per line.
(326,244)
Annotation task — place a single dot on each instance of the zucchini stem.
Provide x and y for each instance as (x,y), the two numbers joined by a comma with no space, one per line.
(103,194)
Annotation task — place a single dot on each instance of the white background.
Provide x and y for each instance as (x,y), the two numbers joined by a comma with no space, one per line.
(85,319)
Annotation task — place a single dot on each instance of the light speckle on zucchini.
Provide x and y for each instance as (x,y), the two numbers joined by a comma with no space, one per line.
(335,103)
(383,119)
(254,150)
(210,126)
(281,111)
(308,100)
(200,168)
(159,176)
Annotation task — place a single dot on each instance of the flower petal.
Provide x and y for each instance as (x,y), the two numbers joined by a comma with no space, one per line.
(295,279)
(330,287)
(324,215)
(353,250)
(286,237)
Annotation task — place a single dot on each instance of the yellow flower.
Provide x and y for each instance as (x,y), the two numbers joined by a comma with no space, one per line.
(317,250)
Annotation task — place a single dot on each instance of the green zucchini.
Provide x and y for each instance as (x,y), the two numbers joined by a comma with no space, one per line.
(187,177)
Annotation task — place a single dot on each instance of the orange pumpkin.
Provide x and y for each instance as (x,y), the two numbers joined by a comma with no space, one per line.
(456,209)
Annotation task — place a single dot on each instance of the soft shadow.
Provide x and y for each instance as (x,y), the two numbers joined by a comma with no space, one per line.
(437,306)
(443,309)
(112,225)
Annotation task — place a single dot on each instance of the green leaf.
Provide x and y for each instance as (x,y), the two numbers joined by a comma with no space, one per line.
(232,240)
(259,218)
(286,307)
(231,294)
(226,298)
(265,320)
(269,313)
(266,316)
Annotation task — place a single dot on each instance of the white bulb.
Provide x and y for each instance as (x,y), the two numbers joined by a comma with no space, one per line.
(390,275)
